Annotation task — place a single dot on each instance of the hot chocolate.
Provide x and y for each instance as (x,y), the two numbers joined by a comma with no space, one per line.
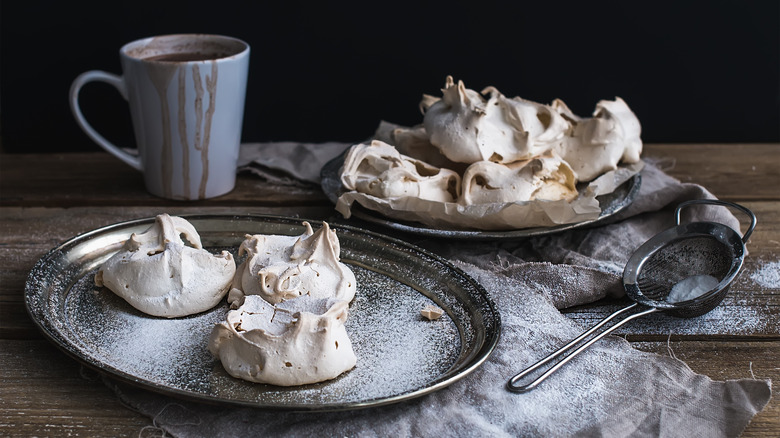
(186,56)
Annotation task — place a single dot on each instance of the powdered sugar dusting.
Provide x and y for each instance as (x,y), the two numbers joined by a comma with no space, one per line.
(400,353)
(767,275)
(398,350)
(166,351)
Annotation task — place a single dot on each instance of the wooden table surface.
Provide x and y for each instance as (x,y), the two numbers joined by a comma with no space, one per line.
(46,199)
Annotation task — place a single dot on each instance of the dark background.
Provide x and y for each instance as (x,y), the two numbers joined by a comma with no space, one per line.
(692,71)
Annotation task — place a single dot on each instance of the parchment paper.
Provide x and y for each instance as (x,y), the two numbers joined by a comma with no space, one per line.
(493,216)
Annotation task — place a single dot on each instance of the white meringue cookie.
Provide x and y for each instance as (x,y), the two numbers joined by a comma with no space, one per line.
(414,143)
(280,268)
(378,169)
(296,342)
(159,275)
(468,128)
(543,178)
(537,127)
(596,145)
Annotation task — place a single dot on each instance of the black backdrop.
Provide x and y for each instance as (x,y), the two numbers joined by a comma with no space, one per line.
(692,71)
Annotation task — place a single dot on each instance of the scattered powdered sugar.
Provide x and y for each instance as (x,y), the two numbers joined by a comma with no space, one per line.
(164,352)
(399,351)
(767,275)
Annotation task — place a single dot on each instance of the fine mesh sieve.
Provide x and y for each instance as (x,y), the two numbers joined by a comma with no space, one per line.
(692,263)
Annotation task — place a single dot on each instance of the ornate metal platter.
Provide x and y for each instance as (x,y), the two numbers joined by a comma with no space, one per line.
(400,354)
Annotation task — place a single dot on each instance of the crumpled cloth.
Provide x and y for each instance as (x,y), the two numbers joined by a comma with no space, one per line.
(288,162)
(611,390)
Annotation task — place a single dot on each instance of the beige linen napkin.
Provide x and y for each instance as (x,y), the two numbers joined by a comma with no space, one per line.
(611,390)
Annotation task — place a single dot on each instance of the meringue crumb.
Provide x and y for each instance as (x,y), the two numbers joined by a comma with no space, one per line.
(431,312)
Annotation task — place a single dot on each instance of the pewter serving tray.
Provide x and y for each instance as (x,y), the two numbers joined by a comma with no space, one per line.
(400,354)
(610,203)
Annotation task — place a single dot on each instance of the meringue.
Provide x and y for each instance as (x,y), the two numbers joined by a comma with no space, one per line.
(596,145)
(414,143)
(542,178)
(296,342)
(158,274)
(483,160)
(378,169)
(279,268)
(431,312)
(468,128)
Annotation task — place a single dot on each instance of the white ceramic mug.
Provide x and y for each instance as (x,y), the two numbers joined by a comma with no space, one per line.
(186,95)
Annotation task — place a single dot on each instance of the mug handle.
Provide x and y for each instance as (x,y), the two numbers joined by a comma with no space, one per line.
(119,83)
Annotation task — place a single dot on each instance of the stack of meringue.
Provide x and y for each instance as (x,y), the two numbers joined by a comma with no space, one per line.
(290,298)
(486,161)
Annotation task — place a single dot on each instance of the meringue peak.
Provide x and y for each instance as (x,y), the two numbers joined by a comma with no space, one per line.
(321,247)
(280,268)
(158,274)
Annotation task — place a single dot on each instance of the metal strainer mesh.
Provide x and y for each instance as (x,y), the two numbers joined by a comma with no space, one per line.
(681,259)
(666,261)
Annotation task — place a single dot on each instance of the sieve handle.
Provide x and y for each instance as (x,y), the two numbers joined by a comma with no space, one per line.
(742,208)
(512,384)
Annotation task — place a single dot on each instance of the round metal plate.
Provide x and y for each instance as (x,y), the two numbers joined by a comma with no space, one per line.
(611,204)
(400,354)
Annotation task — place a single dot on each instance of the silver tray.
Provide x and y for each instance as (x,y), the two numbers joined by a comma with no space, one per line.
(400,354)
(610,204)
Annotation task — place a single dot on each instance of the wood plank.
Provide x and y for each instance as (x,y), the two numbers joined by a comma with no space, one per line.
(730,171)
(728,361)
(750,309)
(45,393)
(48,179)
